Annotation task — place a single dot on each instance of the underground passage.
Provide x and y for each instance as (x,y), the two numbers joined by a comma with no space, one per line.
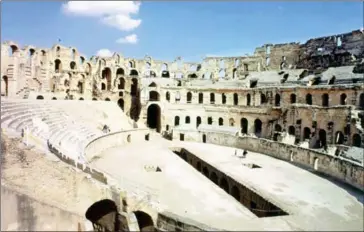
(154,117)
(248,198)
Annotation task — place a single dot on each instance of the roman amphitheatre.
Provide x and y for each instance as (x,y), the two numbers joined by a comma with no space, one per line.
(269,141)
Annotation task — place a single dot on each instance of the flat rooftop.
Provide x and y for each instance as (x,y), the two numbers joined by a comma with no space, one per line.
(313,202)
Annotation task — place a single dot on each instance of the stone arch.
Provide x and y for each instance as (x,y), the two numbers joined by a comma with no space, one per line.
(361,100)
(223,98)
(145,221)
(154,117)
(40,97)
(176,121)
(72,65)
(343,99)
(306,133)
(263,98)
(128,138)
(308,99)
(107,99)
(187,120)
(198,121)
(6,82)
(103,214)
(235,73)
(293,98)
(120,72)
(106,74)
(212,98)
(205,171)
(200,98)
(236,99)
(214,178)
(316,163)
(133,72)
(322,138)
(54,98)
(231,122)
(154,96)
(257,126)
(121,84)
(94,99)
(356,140)
(339,137)
(277,100)
(325,100)
(198,166)
(224,184)
(168,96)
(134,87)
(81,99)
(235,193)
(248,99)
(209,120)
(121,104)
(14,49)
(244,125)
(103,86)
(57,65)
(189,97)
(221,121)
(88,68)
(204,138)
(291,130)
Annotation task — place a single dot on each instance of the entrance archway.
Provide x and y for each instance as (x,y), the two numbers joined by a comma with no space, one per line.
(244,125)
(121,103)
(154,117)
(40,97)
(145,221)
(322,138)
(356,140)
(103,216)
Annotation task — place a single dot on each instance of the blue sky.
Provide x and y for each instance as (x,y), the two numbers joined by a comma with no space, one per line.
(166,30)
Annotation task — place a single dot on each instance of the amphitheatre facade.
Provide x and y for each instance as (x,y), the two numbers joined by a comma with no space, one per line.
(270,141)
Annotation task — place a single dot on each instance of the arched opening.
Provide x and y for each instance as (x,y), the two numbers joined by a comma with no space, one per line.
(73,65)
(339,137)
(291,130)
(145,221)
(103,216)
(293,98)
(153,84)
(153,96)
(315,163)
(224,185)
(198,166)
(189,97)
(209,120)
(325,100)
(107,99)
(235,193)
(322,138)
(309,99)
(257,127)
(121,84)
(212,98)
(306,133)
(154,117)
(80,87)
(128,138)
(200,98)
(54,98)
(134,87)
(277,100)
(187,120)
(263,99)
(214,178)
(248,99)
(168,97)
(94,99)
(103,86)
(356,140)
(221,122)
(133,72)
(40,97)
(5,79)
(204,138)
(57,66)
(205,171)
(106,74)
(277,131)
(198,121)
(231,122)
(244,125)
(176,121)
(223,98)
(14,49)
(236,99)
(120,72)
(234,73)
(361,100)
(81,99)
(343,99)
(121,104)
(165,72)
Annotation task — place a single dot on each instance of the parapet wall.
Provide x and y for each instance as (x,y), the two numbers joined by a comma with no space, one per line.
(343,170)
(115,139)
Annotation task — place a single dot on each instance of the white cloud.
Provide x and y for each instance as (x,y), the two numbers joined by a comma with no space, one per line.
(129,39)
(104,53)
(112,13)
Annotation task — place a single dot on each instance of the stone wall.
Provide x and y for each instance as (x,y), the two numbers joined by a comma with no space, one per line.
(21,212)
(340,169)
(115,139)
